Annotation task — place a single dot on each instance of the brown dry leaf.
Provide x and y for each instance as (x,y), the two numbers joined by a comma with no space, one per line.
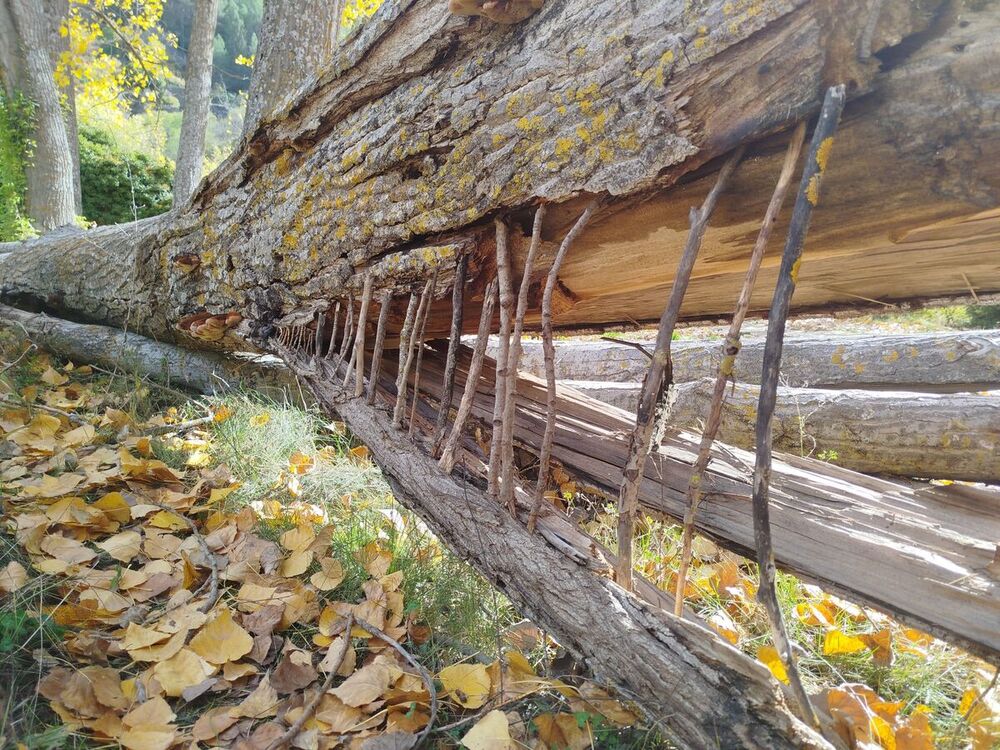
(337,715)
(48,486)
(330,576)
(53,377)
(12,577)
(492,732)
(67,550)
(122,547)
(466,684)
(374,559)
(915,733)
(295,564)
(880,642)
(222,640)
(600,701)
(260,704)
(213,722)
(299,538)
(364,686)
(182,670)
(148,726)
(562,731)
(294,672)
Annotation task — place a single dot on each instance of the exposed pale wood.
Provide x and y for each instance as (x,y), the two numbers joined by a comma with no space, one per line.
(454,342)
(380,328)
(420,350)
(359,345)
(331,346)
(506,304)
(404,356)
(345,342)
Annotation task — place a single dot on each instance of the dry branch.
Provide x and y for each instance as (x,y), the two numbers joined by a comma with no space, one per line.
(403,357)
(454,342)
(657,381)
(359,346)
(420,351)
(331,345)
(348,330)
(506,292)
(808,197)
(730,348)
(383,318)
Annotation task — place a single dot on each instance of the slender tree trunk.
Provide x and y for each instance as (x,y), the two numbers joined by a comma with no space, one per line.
(197,98)
(11,66)
(57,11)
(50,175)
(296,40)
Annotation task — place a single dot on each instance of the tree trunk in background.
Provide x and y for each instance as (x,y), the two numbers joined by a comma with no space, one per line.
(296,41)
(50,175)
(11,66)
(197,98)
(57,11)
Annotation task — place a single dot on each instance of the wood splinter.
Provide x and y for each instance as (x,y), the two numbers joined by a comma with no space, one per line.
(548,347)
(331,347)
(513,362)
(447,461)
(655,386)
(451,361)
(359,345)
(506,294)
(383,319)
(730,348)
(420,353)
(404,353)
(808,197)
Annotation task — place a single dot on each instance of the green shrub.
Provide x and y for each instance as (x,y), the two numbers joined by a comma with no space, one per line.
(15,145)
(120,185)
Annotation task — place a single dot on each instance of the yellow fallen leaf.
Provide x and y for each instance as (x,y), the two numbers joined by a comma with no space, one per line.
(137,636)
(67,550)
(153,711)
(222,640)
(769,656)
(122,547)
(563,731)
(167,520)
(48,486)
(815,613)
(299,538)
(222,413)
(82,435)
(259,420)
(915,733)
(837,642)
(295,564)
(182,670)
(364,686)
(466,684)
(260,704)
(12,577)
(724,625)
(492,732)
(52,377)
(330,576)
(300,463)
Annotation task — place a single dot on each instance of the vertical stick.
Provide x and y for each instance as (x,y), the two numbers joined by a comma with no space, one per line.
(383,319)
(514,360)
(318,340)
(330,349)
(808,197)
(422,328)
(545,456)
(447,462)
(454,342)
(348,329)
(359,346)
(404,356)
(730,348)
(500,389)
(654,386)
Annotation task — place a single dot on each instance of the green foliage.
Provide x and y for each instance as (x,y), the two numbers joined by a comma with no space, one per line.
(20,631)
(15,146)
(120,185)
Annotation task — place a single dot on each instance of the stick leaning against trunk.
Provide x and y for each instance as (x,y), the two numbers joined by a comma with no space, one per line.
(503,355)
(653,394)
(454,342)
(730,348)
(812,176)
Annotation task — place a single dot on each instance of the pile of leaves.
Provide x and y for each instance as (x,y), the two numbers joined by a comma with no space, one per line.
(161,614)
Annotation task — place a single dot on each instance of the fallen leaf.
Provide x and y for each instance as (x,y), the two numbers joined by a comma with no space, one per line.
(492,732)
(12,577)
(364,686)
(466,684)
(182,670)
(260,704)
(222,640)
(769,656)
(837,642)
(294,672)
(562,731)
(122,547)
(330,575)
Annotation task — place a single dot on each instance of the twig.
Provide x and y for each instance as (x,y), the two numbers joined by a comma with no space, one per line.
(404,355)
(31,347)
(163,429)
(808,197)
(348,329)
(213,591)
(318,338)
(447,461)
(503,354)
(633,344)
(310,708)
(420,354)
(75,419)
(383,319)
(330,349)
(545,455)
(454,342)
(514,360)
(359,346)
(730,348)
(655,385)
(424,674)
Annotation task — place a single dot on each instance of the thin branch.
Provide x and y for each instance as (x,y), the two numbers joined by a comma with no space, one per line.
(514,361)
(503,354)
(348,329)
(29,348)
(730,348)
(288,738)
(318,338)
(545,456)
(420,353)
(331,347)
(454,342)
(75,419)
(447,461)
(633,344)
(359,347)
(383,319)
(808,197)
(655,385)
(404,355)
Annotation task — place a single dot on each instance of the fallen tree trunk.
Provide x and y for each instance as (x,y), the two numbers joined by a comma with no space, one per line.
(934,436)
(925,362)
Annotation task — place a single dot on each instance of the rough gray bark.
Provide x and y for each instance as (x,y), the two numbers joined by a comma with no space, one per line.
(57,11)
(927,362)
(11,72)
(50,200)
(297,39)
(197,98)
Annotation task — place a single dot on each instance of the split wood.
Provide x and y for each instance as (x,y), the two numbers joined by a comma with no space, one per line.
(730,348)
(348,329)
(404,355)
(420,354)
(808,197)
(359,346)
(503,352)
(383,319)
(330,349)
(454,342)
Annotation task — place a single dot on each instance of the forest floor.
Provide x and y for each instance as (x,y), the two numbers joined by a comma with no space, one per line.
(178,569)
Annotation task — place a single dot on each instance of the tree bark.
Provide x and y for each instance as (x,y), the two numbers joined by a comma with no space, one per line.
(197,100)
(50,199)
(11,66)
(297,40)
(57,11)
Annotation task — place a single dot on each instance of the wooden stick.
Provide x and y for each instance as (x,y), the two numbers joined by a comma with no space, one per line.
(506,292)
(348,329)
(634,344)
(545,456)
(454,342)
(359,346)
(812,176)
(383,319)
(414,352)
(447,461)
(310,707)
(331,347)
(318,339)
(404,355)
(730,348)
(420,354)
(514,360)
(655,384)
